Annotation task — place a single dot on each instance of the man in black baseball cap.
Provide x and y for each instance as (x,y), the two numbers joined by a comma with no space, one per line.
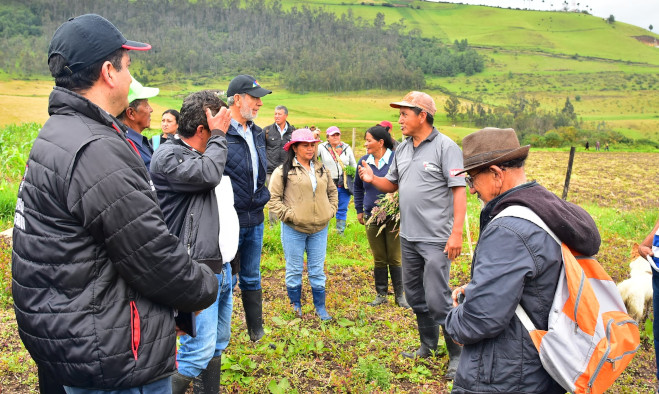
(247,167)
(95,301)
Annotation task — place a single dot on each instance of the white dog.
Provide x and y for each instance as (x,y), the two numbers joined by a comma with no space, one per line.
(637,290)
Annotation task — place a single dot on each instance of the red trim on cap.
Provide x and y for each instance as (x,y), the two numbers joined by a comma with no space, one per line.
(134,48)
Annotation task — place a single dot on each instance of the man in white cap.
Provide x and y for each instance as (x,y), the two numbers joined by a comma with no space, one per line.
(432,209)
(97,275)
(137,117)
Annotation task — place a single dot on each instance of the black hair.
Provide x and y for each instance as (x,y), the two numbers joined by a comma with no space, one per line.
(193,111)
(429,118)
(514,163)
(85,78)
(380,133)
(288,165)
(133,104)
(174,113)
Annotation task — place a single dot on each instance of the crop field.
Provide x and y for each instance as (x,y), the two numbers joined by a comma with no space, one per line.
(359,350)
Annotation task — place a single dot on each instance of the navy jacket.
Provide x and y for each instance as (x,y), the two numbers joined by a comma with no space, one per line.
(366,193)
(248,203)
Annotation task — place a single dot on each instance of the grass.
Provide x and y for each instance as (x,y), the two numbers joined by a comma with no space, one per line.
(359,350)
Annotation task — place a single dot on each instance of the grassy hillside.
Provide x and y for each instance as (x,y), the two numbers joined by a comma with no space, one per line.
(609,76)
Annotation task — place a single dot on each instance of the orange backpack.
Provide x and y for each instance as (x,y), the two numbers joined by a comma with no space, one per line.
(591,339)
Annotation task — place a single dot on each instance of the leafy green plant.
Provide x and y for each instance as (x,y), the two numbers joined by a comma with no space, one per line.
(372,370)
(386,208)
(237,368)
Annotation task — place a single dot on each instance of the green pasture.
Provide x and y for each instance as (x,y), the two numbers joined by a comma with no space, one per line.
(543,31)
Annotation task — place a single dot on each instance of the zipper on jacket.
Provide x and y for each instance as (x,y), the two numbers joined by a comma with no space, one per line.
(190,232)
(135,333)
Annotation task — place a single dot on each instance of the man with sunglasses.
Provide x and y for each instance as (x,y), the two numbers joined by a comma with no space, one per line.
(516,263)
(432,210)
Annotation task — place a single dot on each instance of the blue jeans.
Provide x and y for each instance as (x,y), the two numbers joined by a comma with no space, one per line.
(295,243)
(213,330)
(250,245)
(655,311)
(344,200)
(162,386)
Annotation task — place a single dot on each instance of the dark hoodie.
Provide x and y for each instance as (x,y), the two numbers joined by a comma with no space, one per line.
(571,223)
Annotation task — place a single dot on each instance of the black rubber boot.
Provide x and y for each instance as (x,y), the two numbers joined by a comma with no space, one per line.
(253,305)
(381,277)
(208,381)
(454,351)
(428,336)
(180,383)
(397,282)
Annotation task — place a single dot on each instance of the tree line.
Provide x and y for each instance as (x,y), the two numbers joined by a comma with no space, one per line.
(310,49)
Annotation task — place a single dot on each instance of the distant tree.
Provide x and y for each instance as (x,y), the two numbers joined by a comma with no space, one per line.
(611,19)
(650,27)
(568,109)
(452,107)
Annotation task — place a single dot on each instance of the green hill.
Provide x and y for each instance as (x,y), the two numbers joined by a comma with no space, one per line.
(610,76)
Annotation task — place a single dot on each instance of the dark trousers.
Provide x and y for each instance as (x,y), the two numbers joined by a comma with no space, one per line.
(426,271)
(386,246)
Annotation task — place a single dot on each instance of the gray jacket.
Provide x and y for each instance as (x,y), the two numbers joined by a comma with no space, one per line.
(185,181)
(515,262)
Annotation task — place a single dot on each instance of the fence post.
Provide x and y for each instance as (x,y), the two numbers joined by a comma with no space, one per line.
(354,137)
(568,174)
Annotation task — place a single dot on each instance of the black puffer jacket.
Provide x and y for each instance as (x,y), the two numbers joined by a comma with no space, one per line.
(96,273)
(516,262)
(185,181)
(274,145)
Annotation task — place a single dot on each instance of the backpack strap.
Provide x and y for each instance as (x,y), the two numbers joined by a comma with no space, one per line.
(522,212)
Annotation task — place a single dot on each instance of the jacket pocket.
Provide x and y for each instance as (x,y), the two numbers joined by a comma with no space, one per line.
(135,330)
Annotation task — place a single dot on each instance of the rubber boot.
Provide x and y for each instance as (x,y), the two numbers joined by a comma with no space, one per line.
(208,381)
(180,383)
(294,294)
(253,305)
(319,303)
(454,351)
(340,226)
(381,277)
(397,282)
(428,336)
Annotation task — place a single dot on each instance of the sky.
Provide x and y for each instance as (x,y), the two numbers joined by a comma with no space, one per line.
(642,13)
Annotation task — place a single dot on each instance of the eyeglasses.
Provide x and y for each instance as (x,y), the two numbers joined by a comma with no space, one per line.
(470,178)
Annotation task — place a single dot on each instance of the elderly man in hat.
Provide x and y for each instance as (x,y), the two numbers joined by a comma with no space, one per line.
(96,273)
(432,210)
(247,167)
(516,263)
(137,117)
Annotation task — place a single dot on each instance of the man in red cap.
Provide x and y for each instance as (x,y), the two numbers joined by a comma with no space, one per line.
(96,274)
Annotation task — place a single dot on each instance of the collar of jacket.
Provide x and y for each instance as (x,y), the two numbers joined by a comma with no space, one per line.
(63,101)
(486,213)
